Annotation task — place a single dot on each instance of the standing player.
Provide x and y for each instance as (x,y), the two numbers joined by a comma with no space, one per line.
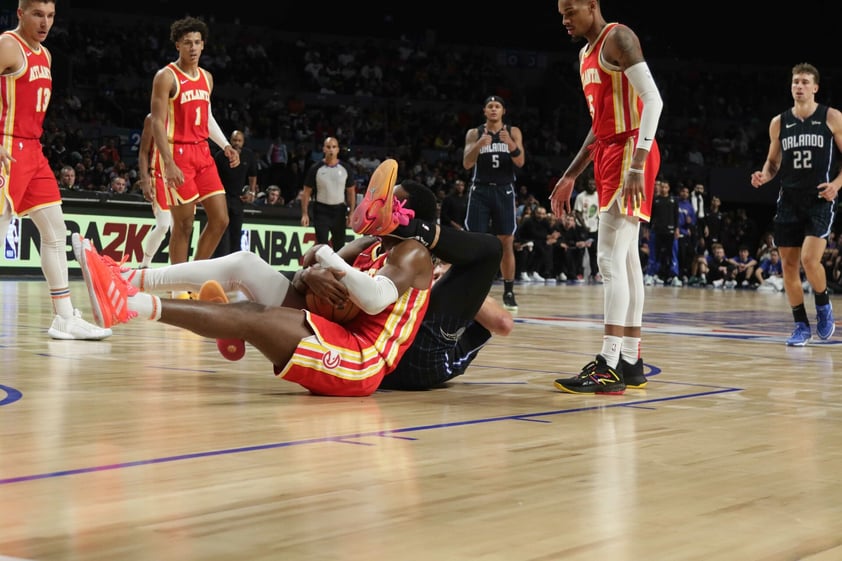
(152,185)
(494,150)
(182,122)
(27,184)
(802,152)
(330,184)
(625,106)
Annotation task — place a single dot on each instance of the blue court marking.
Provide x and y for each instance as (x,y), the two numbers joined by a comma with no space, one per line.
(12,395)
(355,437)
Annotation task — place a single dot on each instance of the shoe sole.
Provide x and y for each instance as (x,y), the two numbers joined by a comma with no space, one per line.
(574,391)
(80,252)
(376,206)
(829,335)
(801,344)
(231,349)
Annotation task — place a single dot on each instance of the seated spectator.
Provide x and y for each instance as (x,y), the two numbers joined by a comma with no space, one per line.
(67,179)
(769,275)
(571,245)
(537,229)
(272,197)
(744,265)
(721,270)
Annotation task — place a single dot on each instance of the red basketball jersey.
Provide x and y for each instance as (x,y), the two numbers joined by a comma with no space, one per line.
(25,94)
(187,118)
(614,105)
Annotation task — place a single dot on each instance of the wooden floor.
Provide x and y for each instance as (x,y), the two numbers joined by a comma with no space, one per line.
(150,446)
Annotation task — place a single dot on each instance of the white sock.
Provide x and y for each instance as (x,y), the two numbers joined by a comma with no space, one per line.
(611,347)
(631,349)
(147,306)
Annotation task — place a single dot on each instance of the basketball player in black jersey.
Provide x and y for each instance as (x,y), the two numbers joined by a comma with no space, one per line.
(804,145)
(493,150)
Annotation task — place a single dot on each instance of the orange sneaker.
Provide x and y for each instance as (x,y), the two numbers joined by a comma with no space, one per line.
(108,290)
(232,349)
(374,214)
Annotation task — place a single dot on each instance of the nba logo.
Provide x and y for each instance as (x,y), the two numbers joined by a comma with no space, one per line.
(12,246)
(245,240)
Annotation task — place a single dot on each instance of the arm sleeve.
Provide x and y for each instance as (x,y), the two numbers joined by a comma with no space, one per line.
(644,84)
(371,294)
(215,132)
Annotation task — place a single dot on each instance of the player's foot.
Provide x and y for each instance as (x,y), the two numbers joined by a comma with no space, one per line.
(107,289)
(509,302)
(232,349)
(374,215)
(801,335)
(633,375)
(76,328)
(825,326)
(596,377)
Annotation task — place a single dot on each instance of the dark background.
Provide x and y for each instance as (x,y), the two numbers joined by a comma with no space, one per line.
(698,32)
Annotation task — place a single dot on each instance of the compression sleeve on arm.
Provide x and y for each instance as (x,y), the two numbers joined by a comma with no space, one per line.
(215,132)
(371,294)
(645,86)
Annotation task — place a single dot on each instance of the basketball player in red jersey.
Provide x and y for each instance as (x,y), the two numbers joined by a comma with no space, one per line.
(27,184)
(625,106)
(182,122)
(152,184)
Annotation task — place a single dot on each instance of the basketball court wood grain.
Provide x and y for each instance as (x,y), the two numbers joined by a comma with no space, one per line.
(149,445)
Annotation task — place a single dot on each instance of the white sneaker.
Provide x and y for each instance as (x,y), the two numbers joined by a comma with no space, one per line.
(730,284)
(76,328)
(648,280)
(676,282)
(537,278)
(718,283)
(561,277)
(524,277)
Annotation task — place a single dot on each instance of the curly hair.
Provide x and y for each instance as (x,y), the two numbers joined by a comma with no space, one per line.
(182,27)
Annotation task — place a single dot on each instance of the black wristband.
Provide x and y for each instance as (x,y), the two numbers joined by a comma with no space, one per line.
(515,153)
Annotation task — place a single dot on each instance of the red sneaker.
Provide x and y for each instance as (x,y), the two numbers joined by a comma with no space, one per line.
(374,214)
(232,349)
(108,290)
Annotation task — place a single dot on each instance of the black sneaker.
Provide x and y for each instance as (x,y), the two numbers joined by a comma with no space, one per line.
(509,301)
(633,374)
(596,377)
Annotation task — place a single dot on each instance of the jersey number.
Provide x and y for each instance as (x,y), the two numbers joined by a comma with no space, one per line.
(43,100)
(198,116)
(495,160)
(802,159)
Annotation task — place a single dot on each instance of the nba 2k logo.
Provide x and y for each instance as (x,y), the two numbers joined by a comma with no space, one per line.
(12,246)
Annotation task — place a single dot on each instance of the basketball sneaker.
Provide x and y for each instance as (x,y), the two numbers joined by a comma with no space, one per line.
(633,375)
(509,302)
(107,289)
(232,349)
(825,326)
(76,328)
(596,377)
(374,214)
(801,335)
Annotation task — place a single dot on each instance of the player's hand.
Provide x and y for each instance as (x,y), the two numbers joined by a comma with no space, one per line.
(233,156)
(633,194)
(5,159)
(174,175)
(560,197)
(758,179)
(827,191)
(506,137)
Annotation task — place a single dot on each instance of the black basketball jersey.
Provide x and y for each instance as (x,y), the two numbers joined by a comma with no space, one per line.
(494,164)
(808,150)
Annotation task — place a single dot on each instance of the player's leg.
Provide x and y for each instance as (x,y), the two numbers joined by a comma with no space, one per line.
(181,232)
(163,221)
(242,270)
(216,209)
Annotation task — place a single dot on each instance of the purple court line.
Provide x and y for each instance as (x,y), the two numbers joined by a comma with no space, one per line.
(350,438)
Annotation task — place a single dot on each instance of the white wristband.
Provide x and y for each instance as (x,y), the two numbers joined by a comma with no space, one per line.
(636,171)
